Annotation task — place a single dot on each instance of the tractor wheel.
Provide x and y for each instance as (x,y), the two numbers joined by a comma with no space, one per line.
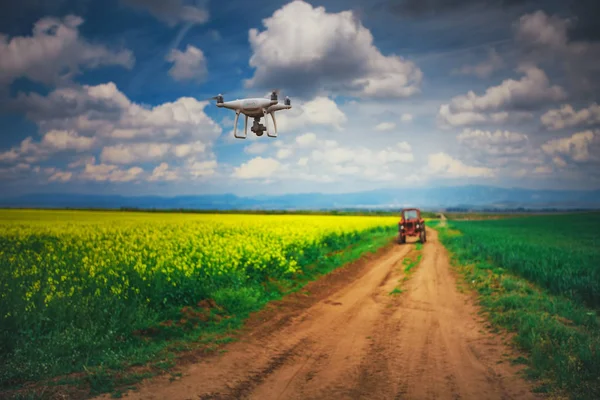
(401,239)
(423,236)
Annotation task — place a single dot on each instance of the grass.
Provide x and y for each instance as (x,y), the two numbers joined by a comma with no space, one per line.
(154,350)
(409,263)
(559,332)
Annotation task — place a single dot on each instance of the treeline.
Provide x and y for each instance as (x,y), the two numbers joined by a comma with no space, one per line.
(349,211)
(346,211)
(515,210)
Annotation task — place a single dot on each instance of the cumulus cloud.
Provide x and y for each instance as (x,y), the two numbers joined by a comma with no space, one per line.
(53,52)
(385,126)
(545,37)
(188,65)
(306,140)
(306,49)
(133,153)
(110,173)
(321,111)
(86,119)
(580,147)
(309,158)
(566,116)
(257,168)
(443,165)
(484,69)
(163,173)
(498,143)
(406,117)
(201,169)
(53,142)
(512,99)
(103,110)
(61,176)
(172,12)
(256,148)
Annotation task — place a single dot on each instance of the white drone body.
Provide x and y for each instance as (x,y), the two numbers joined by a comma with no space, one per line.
(256,108)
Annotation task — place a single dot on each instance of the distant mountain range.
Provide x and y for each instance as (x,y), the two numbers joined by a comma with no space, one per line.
(473,197)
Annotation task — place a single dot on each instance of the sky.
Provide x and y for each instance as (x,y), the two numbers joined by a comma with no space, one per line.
(113,96)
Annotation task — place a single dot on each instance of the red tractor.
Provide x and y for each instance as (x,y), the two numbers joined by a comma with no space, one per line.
(411,224)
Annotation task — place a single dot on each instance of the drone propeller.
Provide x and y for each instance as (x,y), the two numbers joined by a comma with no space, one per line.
(215,97)
(218,98)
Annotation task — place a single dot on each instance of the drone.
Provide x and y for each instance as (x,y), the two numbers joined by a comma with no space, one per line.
(256,108)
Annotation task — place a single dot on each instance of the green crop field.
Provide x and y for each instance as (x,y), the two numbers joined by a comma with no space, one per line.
(558,252)
(539,276)
(81,289)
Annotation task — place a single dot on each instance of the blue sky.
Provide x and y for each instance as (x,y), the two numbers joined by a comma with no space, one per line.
(109,96)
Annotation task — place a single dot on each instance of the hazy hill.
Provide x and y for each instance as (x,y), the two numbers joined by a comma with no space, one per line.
(474,196)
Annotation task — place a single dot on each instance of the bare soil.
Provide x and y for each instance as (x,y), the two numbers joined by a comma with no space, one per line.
(350,339)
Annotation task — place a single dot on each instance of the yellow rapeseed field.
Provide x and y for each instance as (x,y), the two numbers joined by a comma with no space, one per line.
(66,248)
(74,284)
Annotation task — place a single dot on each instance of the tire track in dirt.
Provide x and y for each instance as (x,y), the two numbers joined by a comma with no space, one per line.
(359,342)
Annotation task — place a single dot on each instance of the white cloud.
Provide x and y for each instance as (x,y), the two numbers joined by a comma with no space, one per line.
(200,169)
(545,38)
(188,65)
(172,12)
(566,116)
(510,99)
(308,50)
(319,111)
(558,161)
(577,147)
(284,153)
(404,146)
(543,169)
(306,140)
(257,168)
(256,148)
(104,111)
(54,51)
(406,117)
(67,140)
(498,143)
(385,126)
(163,173)
(82,161)
(540,29)
(109,173)
(61,176)
(53,142)
(132,153)
(308,158)
(443,165)
(484,69)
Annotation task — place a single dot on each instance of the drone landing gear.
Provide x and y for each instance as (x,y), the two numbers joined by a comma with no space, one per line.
(257,127)
(235,125)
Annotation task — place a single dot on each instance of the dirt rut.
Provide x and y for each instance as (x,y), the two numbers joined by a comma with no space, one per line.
(363,343)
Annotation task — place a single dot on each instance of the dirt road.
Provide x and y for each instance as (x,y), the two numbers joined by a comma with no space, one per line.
(351,339)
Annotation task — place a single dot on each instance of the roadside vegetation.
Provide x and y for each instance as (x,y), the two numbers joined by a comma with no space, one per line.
(539,278)
(98,293)
(409,264)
